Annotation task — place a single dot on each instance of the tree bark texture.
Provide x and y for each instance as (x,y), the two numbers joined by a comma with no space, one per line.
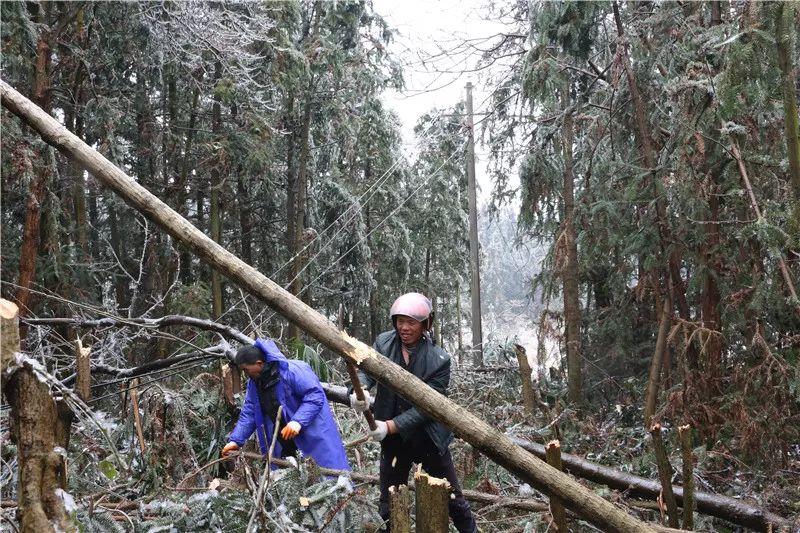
(474,242)
(217,182)
(34,420)
(432,495)
(29,250)
(245,219)
(569,269)
(665,475)
(654,382)
(553,455)
(477,432)
(400,509)
(685,438)
(527,384)
(784,18)
(83,381)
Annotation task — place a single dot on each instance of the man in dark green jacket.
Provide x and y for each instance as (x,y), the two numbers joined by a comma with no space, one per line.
(407,435)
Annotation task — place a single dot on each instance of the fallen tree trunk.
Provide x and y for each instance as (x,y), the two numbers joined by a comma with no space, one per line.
(519,504)
(480,434)
(725,507)
(148,323)
(731,509)
(218,351)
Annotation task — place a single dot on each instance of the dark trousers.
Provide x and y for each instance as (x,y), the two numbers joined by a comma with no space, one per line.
(424,452)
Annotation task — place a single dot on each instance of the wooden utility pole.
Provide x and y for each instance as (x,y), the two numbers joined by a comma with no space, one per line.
(483,436)
(474,245)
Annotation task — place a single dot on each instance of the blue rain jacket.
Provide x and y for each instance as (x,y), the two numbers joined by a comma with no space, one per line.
(303,400)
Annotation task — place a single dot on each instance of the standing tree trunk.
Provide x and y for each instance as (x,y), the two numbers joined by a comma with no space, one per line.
(458,323)
(79,184)
(784,18)
(245,218)
(291,178)
(299,191)
(183,177)
(649,156)
(569,271)
(42,472)
(121,285)
(148,289)
(654,382)
(29,250)
(217,182)
(474,242)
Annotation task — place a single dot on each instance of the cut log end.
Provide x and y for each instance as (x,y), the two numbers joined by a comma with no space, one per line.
(8,309)
(359,351)
(9,334)
(432,498)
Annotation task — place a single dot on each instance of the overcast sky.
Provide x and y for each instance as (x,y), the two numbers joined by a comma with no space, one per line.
(424,29)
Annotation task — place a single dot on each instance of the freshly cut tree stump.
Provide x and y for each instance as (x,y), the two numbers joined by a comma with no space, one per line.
(42,472)
(9,333)
(83,381)
(433,495)
(553,450)
(400,509)
(685,437)
(665,475)
(527,385)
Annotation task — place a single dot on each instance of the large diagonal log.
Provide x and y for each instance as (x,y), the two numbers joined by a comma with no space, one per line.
(734,510)
(469,427)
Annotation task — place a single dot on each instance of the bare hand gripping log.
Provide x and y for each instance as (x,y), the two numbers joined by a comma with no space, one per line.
(478,433)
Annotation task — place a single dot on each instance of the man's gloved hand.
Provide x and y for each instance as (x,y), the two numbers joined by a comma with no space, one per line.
(380,431)
(290,431)
(230,447)
(360,405)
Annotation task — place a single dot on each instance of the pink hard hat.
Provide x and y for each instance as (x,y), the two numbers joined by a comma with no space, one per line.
(414,305)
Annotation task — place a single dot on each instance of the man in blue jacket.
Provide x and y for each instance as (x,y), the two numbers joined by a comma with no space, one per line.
(306,423)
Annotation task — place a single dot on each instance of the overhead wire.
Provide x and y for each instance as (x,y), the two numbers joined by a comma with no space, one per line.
(334,263)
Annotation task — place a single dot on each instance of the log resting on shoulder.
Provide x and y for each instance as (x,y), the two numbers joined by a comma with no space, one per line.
(477,432)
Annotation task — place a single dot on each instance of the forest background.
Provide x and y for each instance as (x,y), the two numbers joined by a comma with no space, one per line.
(644,215)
